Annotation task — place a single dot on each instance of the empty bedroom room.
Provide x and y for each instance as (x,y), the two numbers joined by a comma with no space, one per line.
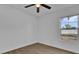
(39,28)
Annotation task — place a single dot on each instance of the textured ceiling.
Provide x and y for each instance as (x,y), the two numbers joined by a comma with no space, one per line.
(16,14)
(43,11)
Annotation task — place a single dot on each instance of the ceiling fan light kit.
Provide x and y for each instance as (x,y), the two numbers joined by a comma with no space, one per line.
(38,6)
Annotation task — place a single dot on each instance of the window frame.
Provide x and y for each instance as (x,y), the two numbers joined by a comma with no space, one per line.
(71,22)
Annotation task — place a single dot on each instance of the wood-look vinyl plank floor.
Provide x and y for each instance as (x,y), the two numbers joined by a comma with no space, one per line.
(38,49)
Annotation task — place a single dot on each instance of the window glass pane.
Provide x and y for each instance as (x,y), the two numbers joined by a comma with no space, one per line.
(64,21)
(73,21)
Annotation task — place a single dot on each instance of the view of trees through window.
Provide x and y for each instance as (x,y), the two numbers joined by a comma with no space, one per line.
(69,22)
(69,25)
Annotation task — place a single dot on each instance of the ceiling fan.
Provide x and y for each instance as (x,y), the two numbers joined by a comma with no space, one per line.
(38,6)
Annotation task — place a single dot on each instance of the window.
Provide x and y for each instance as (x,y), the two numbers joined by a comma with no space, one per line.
(69,25)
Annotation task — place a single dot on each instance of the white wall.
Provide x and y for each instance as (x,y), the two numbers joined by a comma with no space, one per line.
(17,29)
(49,30)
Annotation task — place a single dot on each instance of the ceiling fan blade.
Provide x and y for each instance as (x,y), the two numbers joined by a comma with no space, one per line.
(38,9)
(46,6)
(29,5)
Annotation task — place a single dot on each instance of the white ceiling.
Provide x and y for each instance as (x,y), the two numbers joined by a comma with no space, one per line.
(17,15)
(43,11)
